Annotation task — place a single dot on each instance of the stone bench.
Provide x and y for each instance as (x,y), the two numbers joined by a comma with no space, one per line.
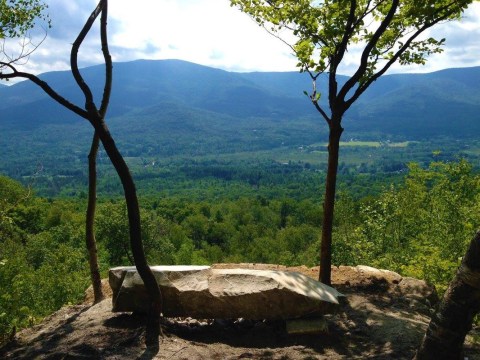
(204,293)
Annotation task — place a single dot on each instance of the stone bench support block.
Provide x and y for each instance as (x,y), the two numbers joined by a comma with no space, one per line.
(205,293)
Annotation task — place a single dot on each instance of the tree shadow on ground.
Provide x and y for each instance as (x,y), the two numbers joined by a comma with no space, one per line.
(49,340)
(356,329)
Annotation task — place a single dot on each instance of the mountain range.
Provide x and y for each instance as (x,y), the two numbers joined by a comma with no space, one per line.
(176,108)
(446,102)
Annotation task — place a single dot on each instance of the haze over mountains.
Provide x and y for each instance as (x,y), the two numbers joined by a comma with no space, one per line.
(171,108)
(407,105)
(177,120)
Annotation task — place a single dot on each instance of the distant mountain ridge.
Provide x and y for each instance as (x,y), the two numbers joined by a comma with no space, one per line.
(445,102)
(176,108)
(142,84)
(191,119)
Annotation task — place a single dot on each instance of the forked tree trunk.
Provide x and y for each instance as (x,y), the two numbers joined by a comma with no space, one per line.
(153,320)
(329,202)
(90,221)
(453,319)
(97,119)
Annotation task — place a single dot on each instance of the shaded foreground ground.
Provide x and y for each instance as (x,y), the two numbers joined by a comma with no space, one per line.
(384,317)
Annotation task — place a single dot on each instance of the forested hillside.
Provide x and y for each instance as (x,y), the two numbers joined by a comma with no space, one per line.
(372,176)
(230,168)
(178,122)
(440,99)
(419,228)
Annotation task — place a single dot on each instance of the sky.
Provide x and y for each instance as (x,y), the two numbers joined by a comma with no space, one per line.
(208,32)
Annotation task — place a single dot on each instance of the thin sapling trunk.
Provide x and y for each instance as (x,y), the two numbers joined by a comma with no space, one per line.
(90,221)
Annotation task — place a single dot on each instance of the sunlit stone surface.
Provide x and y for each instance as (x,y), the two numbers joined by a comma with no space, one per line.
(205,293)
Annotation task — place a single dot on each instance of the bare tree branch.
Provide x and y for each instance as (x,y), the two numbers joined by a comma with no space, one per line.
(45,87)
(27,47)
(107,90)
(89,103)
(361,89)
(367,50)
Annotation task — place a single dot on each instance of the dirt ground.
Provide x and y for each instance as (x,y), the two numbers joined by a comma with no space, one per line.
(384,316)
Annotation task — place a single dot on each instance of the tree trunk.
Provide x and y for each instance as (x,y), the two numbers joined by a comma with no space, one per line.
(153,320)
(90,220)
(453,319)
(329,201)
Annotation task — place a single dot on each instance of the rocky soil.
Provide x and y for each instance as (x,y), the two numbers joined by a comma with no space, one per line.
(384,316)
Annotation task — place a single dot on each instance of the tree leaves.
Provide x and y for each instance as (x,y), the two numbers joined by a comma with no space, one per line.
(418,229)
(17,17)
(326,30)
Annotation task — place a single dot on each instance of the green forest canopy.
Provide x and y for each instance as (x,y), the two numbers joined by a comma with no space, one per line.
(419,228)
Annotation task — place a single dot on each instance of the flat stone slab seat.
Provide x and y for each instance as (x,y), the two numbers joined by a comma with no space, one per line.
(204,293)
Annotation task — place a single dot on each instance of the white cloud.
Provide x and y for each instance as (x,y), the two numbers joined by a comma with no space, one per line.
(206,32)
(212,33)
(462,47)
